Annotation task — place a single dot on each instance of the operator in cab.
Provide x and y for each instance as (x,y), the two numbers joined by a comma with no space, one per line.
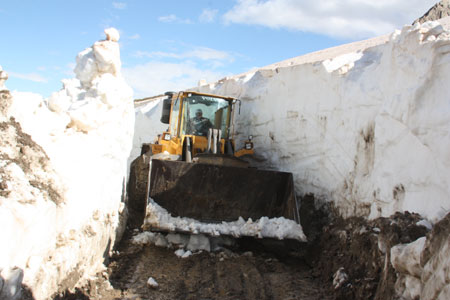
(199,125)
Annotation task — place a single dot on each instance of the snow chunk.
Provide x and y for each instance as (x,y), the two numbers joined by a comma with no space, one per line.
(408,287)
(144,238)
(151,282)
(112,34)
(339,278)
(342,63)
(425,223)
(199,242)
(181,253)
(161,241)
(103,57)
(405,258)
(166,156)
(177,239)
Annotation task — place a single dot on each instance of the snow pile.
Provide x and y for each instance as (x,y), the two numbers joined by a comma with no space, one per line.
(61,189)
(368,130)
(423,265)
(278,228)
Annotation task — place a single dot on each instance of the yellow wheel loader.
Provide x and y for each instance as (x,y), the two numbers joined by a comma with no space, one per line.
(205,178)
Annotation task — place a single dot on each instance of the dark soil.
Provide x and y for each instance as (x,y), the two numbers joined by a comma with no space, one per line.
(30,155)
(360,248)
(222,275)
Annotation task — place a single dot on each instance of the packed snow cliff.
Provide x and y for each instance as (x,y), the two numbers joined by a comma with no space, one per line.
(63,169)
(368,130)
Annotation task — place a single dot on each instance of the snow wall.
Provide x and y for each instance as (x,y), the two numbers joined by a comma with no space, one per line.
(61,198)
(363,125)
(147,124)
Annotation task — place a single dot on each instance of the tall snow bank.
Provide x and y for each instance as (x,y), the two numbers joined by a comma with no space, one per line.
(368,130)
(147,124)
(81,138)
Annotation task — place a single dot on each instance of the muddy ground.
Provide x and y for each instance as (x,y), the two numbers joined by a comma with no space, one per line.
(355,248)
(237,274)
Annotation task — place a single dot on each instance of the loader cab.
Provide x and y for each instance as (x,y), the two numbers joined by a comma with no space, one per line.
(201,112)
(181,112)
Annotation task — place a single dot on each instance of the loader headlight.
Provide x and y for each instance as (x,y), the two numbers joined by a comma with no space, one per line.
(250,138)
(167,137)
(248,146)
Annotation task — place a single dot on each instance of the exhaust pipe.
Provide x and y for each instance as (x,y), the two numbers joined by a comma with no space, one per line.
(208,150)
(219,135)
(216,139)
(188,150)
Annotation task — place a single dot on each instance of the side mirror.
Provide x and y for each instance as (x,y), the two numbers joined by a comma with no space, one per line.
(165,115)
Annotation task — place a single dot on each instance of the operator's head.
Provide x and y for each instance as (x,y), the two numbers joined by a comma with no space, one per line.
(198,113)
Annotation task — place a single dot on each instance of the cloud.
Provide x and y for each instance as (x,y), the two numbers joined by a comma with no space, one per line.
(176,70)
(119,5)
(208,15)
(201,53)
(135,36)
(156,54)
(167,19)
(173,19)
(352,19)
(205,53)
(28,76)
(157,77)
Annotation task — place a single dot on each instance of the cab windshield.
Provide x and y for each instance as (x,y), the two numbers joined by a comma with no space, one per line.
(204,112)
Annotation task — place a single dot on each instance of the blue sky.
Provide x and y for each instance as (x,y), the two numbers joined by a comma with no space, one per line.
(171,44)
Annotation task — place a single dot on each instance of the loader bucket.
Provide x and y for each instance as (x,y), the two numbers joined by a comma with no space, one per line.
(214,193)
